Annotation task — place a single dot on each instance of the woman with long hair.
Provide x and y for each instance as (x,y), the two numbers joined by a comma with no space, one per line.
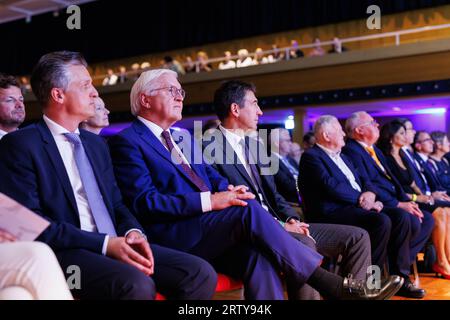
(393,138)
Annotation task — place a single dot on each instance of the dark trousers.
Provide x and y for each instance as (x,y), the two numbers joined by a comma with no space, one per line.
(273,250)
(177,275)
(377,225)
(347,246)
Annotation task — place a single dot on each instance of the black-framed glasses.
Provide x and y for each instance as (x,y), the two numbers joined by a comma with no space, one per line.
(174,91)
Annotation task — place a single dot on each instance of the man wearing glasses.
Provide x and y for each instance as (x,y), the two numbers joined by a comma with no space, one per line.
(404,244)
(187,205)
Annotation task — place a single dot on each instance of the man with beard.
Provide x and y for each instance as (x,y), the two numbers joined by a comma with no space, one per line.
(12,108)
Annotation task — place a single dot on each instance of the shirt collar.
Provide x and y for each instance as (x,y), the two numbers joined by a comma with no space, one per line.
(331,153)
(233,138)
(2,133)
(363,144)
(153,127)
(56,129)
(424,157)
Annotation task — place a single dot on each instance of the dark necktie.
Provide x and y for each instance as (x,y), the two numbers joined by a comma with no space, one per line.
(186,168)
(252,164)
(96,204)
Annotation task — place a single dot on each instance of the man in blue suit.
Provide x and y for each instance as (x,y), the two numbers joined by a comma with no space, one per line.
(347,246)
(185,204)
(66,176)
(407,219)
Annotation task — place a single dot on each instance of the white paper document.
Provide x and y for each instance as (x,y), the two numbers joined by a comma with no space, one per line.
(22,223)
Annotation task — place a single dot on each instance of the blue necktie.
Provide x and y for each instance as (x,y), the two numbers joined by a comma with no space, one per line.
(97,205)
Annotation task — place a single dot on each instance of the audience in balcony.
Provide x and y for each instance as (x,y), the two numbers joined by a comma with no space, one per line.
(172,64)
(189,65)
(337,46)
(259,57)
(25,85)
(123,77)
(317,50)
(295,51)
(244,59)
(202,64)
(228,63)
(110,79)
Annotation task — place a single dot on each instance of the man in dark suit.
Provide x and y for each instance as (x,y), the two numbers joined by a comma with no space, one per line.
(407,218)
(185,204)
(423,148)
(350,245)
(287,174)
(66,176)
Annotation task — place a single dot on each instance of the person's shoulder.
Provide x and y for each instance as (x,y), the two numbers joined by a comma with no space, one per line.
(26,136)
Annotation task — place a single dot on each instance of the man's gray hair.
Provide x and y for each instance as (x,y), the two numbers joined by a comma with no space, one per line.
(321,123)
(147,82)
(353,122)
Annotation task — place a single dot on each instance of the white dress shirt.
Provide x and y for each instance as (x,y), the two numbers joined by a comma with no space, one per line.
(2,133)
(205,197)
(336,158)
(235,141)
(66,150)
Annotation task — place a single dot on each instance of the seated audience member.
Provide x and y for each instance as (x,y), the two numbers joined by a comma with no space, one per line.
(295,154)
(277,54)
(259,57)
(308,141)
(337,46)
(189,65)
(392,139)
(227,63)
(447,156)
(29,271)
(12,108)
(65,175)
(25,86)
(423,147)
(110,79)
(202,64)
(440,163)
(317,50)
(244,59)
(411,227)
(145,65)
(172,64)
(135,71)
(237,108)
(187,205)
(295,51)
(287,174)
(122,75)
(99,121)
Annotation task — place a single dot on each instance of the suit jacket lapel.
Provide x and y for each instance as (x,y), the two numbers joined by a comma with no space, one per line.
(150,139)
(57,162)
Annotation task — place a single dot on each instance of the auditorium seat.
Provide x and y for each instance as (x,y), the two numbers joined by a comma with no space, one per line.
(224,283)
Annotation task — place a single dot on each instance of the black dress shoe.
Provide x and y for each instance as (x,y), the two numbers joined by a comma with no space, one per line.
(360,290)
(408,290)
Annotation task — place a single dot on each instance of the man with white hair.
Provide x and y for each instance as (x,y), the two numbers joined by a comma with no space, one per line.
(411,227)
(100,120)
(335,191)
(190,207)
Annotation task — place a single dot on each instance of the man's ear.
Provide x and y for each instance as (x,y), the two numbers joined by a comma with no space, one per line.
(144,100)
(326,136)
(235,110)
(57,94)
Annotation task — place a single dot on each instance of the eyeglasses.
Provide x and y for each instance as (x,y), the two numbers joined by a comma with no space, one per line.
(174,91)
(426,140)
(370,123)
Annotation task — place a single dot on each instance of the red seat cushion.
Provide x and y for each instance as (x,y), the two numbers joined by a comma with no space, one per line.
(224,283)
